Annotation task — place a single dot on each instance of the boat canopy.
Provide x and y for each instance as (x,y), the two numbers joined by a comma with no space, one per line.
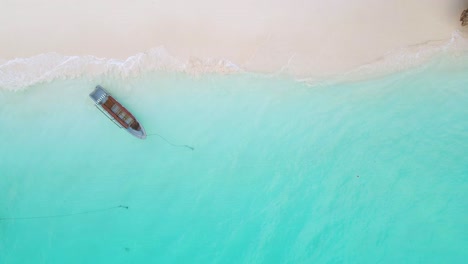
(99,95)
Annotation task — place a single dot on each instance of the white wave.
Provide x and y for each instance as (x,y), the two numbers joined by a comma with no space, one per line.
(18,74)
(400,60)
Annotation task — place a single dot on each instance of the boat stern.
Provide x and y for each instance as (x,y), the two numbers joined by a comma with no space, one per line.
(99,95)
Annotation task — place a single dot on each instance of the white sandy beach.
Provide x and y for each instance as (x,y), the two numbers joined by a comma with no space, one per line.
(309,37)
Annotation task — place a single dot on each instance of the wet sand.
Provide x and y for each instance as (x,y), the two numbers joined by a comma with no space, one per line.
(303,38)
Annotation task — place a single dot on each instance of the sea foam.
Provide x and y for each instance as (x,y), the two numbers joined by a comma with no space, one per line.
(20,73)
(415,56)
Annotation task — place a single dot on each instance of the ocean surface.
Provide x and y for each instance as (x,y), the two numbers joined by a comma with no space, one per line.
(281,171)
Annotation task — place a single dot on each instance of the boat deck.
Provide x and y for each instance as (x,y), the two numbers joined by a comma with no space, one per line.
(116,112)
(120,114)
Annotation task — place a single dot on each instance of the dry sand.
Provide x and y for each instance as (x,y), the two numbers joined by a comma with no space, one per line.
(313,37)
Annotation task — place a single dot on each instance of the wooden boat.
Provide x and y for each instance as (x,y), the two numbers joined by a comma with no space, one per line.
(116,112)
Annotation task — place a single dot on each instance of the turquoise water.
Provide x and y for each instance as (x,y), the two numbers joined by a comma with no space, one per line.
(373,171)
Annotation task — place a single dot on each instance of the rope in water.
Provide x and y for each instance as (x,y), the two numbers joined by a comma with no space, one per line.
(66,215)
(169,142)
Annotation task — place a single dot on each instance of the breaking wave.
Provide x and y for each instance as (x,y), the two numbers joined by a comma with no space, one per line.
(18,74)
(399,60)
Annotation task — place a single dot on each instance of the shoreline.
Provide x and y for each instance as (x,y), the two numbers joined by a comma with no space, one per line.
(20,73)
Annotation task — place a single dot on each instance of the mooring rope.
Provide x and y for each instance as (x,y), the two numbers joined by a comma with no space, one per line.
(169,142)
(65,215)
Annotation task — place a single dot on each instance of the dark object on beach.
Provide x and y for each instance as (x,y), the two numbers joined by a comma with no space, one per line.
(116,112)
(464,18)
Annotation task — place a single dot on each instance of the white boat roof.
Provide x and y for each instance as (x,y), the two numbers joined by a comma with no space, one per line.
(99,95)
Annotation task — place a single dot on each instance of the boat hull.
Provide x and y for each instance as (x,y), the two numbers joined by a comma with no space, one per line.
(116,112)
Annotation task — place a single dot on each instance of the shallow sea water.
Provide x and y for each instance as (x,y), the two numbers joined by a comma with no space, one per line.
(373,171)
